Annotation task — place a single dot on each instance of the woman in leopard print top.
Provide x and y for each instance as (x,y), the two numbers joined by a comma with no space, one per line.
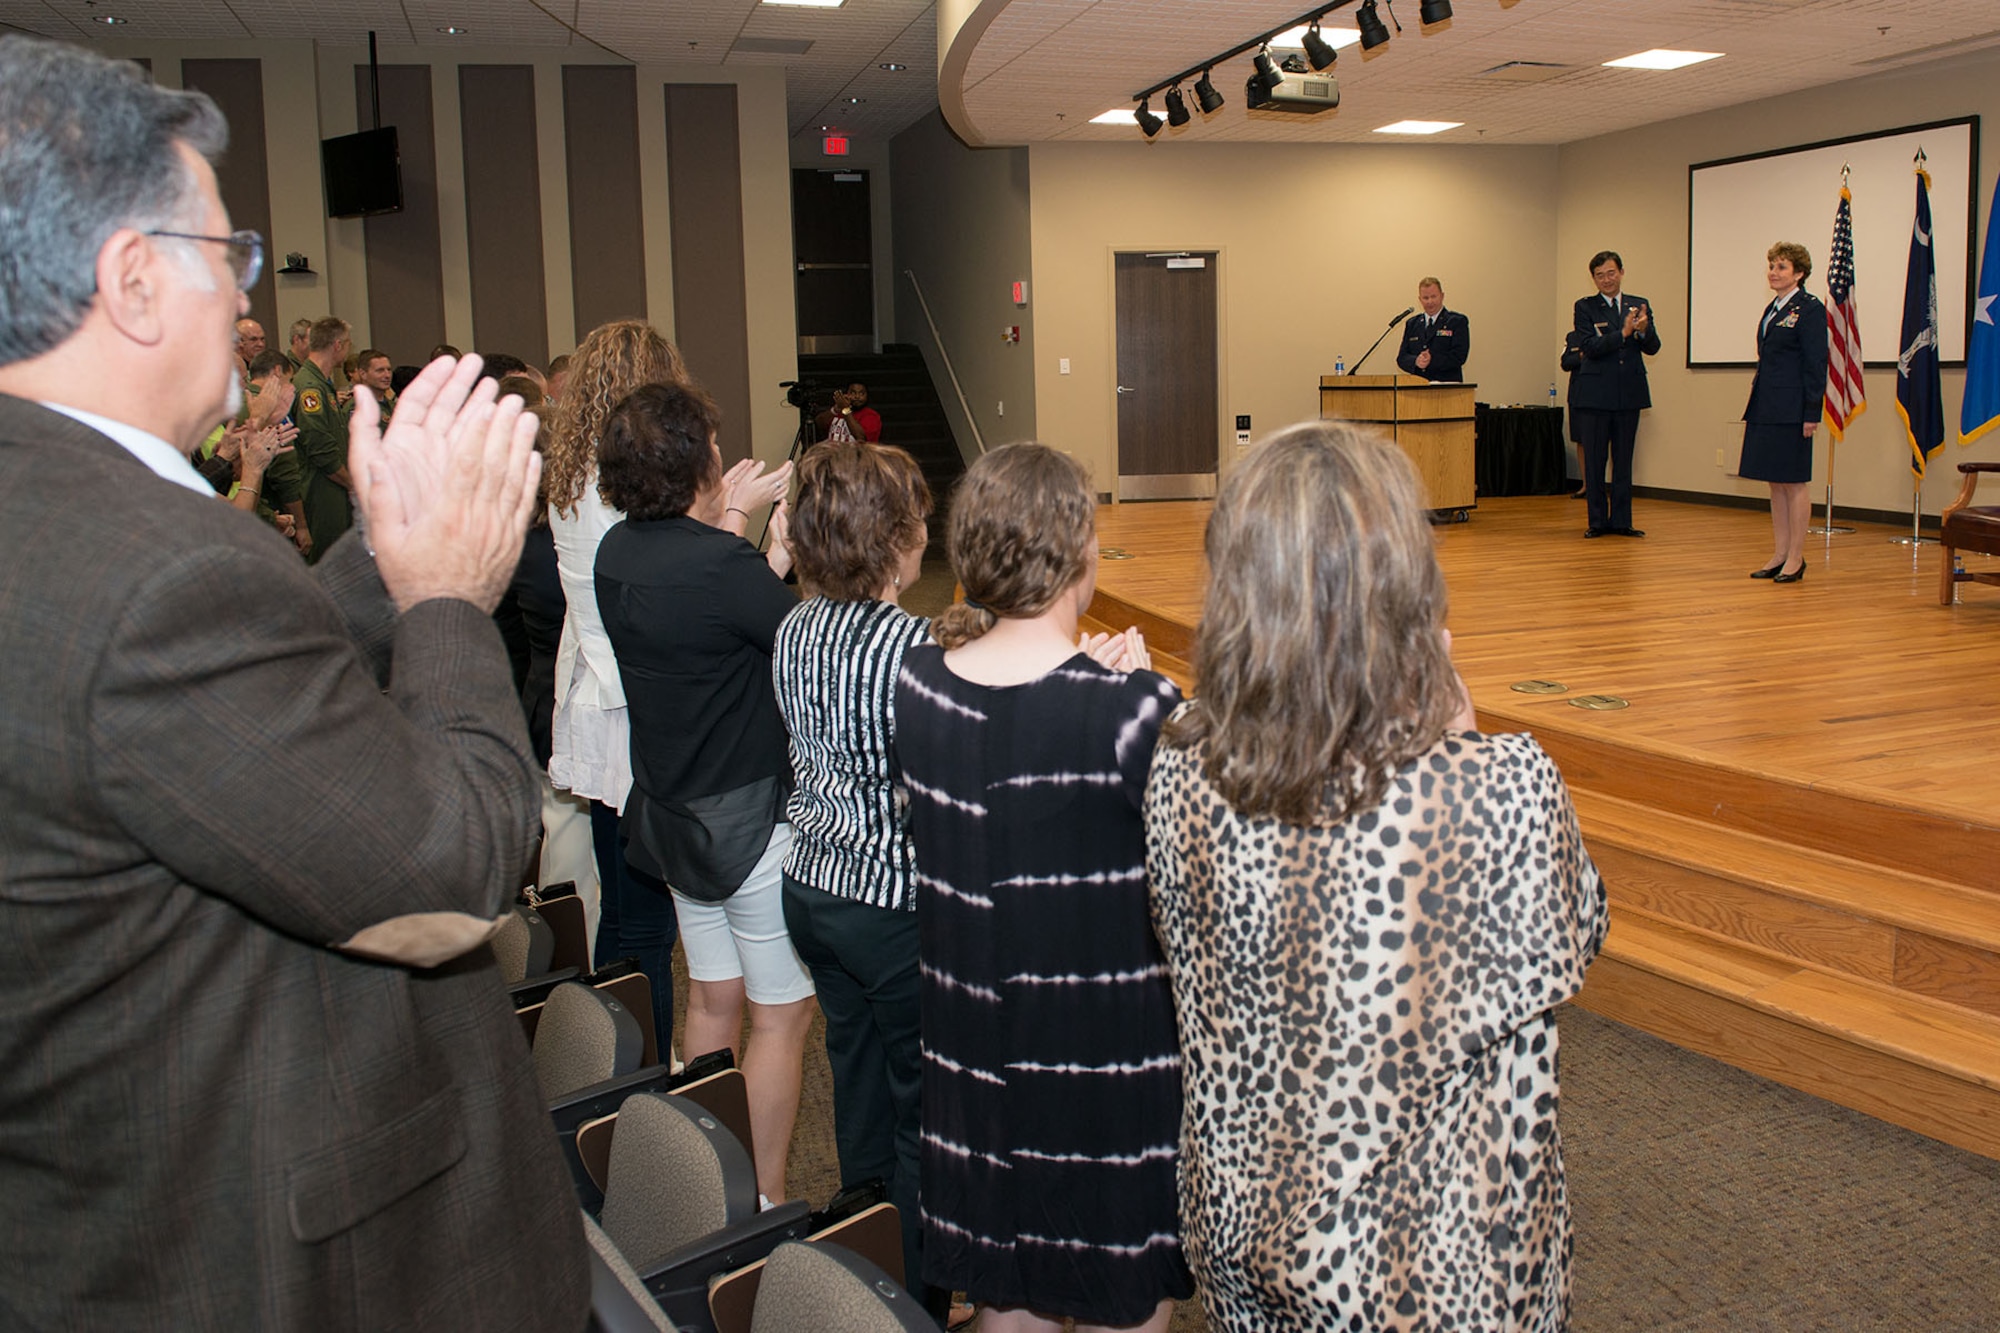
(1370,911)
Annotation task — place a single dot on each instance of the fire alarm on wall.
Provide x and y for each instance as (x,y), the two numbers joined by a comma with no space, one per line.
(1020,293)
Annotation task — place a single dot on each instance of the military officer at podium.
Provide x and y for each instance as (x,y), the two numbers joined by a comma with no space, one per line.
(1436,340)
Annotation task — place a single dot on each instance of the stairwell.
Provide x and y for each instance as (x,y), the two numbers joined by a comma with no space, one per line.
(913,419)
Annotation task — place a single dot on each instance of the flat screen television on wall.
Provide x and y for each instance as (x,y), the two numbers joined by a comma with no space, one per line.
(363,173)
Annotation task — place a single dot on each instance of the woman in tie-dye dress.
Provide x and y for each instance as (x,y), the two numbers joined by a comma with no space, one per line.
(1051,1097)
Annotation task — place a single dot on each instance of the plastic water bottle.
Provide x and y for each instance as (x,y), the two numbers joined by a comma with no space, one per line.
(1339,364)
(1552,393)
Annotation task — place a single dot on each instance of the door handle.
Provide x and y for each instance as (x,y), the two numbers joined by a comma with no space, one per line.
(1124,389)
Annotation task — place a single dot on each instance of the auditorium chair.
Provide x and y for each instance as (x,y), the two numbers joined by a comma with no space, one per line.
(621,980)
(525,945)
(680,1203)
(858,1224)
(1965,526)
(562,909)
(584,1037)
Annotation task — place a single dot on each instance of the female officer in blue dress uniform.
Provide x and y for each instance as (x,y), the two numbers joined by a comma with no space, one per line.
(1784,409)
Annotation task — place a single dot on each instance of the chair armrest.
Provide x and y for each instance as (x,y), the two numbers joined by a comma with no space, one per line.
(679,1282)
(1979,467)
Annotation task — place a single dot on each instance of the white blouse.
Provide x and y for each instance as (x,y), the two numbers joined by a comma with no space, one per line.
(592,740)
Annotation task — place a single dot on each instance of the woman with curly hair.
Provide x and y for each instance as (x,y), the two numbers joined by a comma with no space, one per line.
(590,735)
(1371,912)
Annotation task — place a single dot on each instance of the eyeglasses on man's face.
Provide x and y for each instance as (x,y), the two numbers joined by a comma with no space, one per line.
(246,252)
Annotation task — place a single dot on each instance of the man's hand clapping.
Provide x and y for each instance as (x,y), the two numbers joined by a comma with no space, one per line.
(448,488)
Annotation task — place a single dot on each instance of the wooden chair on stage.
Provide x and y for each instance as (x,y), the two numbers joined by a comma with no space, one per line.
(1968,527)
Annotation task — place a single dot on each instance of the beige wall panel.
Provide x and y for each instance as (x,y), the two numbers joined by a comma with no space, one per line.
(1321,244)
(1628,192)
(962,224)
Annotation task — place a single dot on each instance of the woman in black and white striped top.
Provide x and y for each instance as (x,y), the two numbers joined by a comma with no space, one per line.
(858,537)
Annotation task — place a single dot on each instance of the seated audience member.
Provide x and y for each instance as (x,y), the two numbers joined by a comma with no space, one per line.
(444,349)
(374,373)
(322,421)
(858,537)
(558,375)
(260,1070)
(692,611)
(1370,911)
(400,380)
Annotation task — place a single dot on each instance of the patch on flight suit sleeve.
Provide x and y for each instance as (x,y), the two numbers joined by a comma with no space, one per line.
(309,401)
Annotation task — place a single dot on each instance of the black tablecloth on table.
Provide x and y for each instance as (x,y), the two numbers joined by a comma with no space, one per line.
(1520,451)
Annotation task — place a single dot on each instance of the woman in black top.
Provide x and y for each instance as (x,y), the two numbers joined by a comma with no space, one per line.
(1786,399)
(691,610)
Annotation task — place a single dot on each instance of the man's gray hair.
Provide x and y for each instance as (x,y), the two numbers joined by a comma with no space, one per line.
(86,147)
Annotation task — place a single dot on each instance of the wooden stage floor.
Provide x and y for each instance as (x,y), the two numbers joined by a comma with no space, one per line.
(1854,681)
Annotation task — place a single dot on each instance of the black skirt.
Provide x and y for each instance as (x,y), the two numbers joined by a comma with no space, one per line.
(1777,451)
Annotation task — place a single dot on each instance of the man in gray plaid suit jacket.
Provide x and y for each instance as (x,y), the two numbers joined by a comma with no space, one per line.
(257,1069)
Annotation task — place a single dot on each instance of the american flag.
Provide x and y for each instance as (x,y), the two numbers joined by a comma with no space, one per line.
(1846,395)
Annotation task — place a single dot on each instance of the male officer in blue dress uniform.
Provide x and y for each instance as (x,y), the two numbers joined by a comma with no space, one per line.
(1435,342)
(1608,391)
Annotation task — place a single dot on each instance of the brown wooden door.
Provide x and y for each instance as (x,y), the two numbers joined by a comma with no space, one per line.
(835,282)
(1167,394)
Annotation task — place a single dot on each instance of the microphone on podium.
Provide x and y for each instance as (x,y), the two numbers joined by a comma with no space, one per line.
(1407,312)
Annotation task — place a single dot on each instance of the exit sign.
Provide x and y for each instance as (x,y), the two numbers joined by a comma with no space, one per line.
(835,145)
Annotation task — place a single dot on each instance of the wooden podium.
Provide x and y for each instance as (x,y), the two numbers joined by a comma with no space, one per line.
(1432,423)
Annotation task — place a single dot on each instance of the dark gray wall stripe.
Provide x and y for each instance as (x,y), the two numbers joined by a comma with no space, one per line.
(607,224)
(243,175)
(705,210)
(405,263)
(503,210)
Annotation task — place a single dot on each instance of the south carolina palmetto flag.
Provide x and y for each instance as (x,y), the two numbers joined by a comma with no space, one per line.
(1919,387)
(1846,395)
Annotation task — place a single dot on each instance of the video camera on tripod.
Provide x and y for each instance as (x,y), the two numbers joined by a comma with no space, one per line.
(809,396)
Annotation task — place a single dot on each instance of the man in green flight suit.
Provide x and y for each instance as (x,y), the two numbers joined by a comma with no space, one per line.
(322,445)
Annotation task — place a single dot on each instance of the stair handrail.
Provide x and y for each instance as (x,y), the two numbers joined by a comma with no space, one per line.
(945,356)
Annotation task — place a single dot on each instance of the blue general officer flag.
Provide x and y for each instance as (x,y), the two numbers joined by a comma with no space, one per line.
(1919,388)
(1981,411)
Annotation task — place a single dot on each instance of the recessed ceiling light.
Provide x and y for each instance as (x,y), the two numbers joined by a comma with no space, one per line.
(856,101)
(452,30)
(809,4)
(1294,39)
(1419,127)
(892,67)
(1660,58)
(111,19)
(1118,116)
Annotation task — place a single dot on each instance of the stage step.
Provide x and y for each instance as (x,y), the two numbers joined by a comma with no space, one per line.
(1932,938)
(1929,1066)
(1823,816)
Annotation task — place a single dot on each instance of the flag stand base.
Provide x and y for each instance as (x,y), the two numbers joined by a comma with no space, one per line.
(1916,537)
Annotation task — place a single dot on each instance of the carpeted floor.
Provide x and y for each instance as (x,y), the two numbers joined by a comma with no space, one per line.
(1710,1199)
